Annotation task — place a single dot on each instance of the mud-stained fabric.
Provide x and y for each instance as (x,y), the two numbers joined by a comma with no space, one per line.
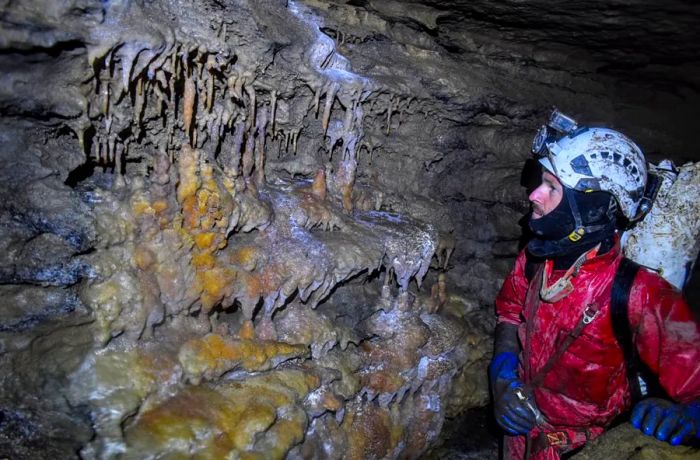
(587,388)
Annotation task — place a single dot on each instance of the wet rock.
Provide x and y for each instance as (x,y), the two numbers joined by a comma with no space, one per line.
(626,442)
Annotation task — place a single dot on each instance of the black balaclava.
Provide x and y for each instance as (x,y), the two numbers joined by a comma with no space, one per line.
(551,231)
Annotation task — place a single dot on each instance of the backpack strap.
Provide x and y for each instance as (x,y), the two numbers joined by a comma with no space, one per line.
(532,265)
(642,381)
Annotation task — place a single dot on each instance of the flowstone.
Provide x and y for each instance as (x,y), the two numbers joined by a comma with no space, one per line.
(206,327)
(187,284)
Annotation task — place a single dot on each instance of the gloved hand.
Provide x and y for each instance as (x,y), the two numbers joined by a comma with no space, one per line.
(667,421)
(514,404)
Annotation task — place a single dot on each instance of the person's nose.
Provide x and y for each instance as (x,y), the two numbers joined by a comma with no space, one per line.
(536,195)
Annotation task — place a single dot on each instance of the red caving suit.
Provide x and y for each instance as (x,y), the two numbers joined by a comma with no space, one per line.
(587,386)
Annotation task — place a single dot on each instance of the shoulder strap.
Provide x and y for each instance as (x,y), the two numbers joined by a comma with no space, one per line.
(642,381)
(531,267)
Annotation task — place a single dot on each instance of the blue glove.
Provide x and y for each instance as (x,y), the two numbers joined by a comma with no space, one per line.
(673,423)
(513,403)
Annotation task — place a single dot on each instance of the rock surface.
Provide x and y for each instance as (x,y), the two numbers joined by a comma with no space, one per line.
(276,228)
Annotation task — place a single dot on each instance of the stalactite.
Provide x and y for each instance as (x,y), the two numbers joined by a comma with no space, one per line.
(127,55)
(211,64)
(161,78)
(198,61)
(104,100)
(161,103)
(108,124)
(112,149)
(231,86)
(349,117)
(139,102)
(143,58)
(389,110)
(273,110)
(295,139)
(175,62)
(239,82)
(96,52)
(250,91)
(188,107)
(318,187)
(248,153)
(332,90)
(261,128)
(317,99)
(118,176)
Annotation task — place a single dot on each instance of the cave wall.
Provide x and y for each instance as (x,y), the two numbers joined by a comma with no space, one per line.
(255,226)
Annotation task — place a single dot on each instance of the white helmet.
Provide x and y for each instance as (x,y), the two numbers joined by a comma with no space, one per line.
(594,159)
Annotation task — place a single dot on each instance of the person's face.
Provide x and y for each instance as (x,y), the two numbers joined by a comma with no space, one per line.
(547,196)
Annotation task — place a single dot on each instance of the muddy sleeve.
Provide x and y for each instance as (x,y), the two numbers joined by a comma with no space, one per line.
(511,298)
(667,335)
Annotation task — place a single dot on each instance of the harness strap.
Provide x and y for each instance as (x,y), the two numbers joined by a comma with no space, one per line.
(589,313)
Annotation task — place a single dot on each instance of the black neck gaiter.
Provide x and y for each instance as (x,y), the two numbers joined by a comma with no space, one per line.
(551,231)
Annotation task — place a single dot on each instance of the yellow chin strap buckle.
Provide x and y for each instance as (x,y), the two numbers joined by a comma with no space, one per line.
(576,234)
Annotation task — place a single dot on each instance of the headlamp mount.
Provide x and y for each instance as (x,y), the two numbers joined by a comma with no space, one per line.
(558,126)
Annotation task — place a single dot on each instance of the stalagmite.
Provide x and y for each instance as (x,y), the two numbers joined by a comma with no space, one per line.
(330,98)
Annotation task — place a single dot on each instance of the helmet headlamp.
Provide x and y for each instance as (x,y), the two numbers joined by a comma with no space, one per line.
(558,126)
